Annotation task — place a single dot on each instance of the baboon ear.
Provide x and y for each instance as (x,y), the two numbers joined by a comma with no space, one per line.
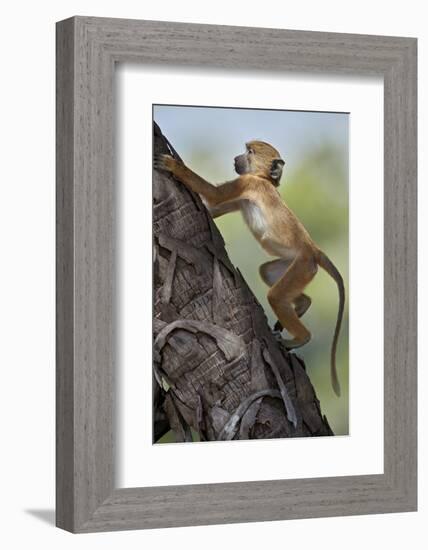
(276,169)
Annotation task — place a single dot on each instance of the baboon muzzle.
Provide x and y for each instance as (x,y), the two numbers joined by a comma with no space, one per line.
(241,164)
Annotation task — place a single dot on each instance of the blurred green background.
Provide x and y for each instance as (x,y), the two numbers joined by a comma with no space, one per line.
(314,184)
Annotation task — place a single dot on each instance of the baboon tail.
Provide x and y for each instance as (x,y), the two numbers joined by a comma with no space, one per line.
(324,262)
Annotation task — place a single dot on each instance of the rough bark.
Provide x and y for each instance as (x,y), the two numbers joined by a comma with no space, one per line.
(217,367)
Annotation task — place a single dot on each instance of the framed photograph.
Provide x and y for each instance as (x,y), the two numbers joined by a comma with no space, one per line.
(236,274)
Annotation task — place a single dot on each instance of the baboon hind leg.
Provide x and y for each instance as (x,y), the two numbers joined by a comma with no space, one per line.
(283,296)
(301,304)
(271,272)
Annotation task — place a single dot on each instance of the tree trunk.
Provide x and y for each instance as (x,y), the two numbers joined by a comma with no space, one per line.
(217,367)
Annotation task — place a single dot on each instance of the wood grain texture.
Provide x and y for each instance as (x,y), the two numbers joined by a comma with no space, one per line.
(87,49)
(64,278)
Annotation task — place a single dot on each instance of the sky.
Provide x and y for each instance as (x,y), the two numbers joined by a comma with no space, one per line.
(219,134)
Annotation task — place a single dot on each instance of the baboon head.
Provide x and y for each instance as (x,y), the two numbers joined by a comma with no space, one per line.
(260,158)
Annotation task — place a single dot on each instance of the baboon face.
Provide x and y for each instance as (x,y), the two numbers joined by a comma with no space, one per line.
(260,158)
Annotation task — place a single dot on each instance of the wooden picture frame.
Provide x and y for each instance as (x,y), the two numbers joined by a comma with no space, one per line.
(87,50)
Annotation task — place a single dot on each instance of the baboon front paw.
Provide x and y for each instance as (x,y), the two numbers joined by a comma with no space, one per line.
(163,162)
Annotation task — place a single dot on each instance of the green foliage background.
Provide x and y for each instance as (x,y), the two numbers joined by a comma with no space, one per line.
(314,185)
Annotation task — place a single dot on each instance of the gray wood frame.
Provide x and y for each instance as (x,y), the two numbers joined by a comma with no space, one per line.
(87,50)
